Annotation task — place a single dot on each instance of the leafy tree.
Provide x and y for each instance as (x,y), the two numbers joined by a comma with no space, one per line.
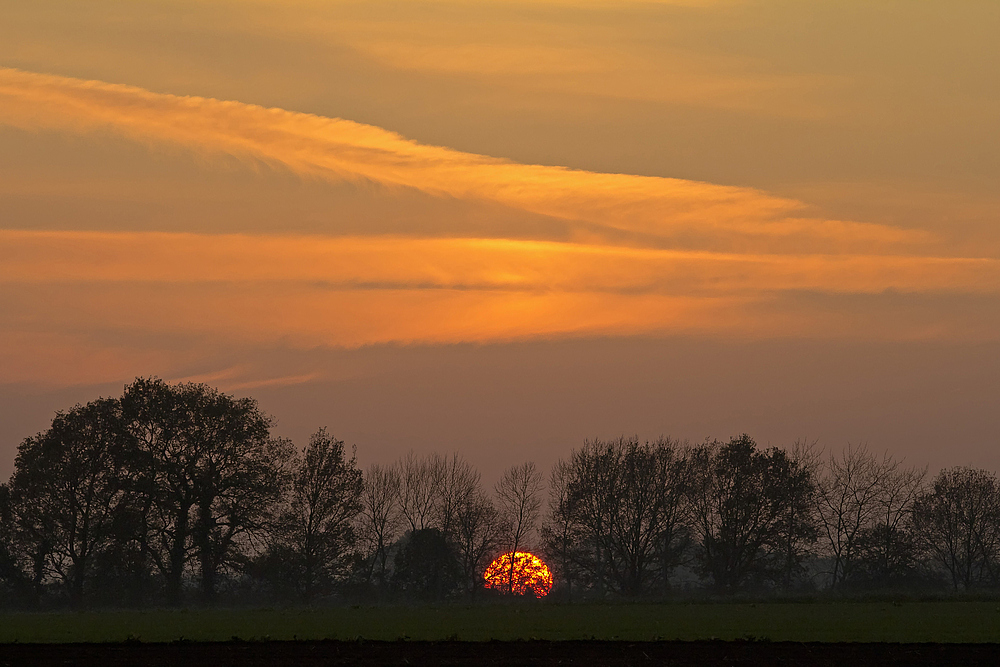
(210,474)
(740,502)
(13,581)
(426,567)
(316,528)
(71,488)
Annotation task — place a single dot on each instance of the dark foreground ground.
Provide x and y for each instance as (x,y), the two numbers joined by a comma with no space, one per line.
(675,654)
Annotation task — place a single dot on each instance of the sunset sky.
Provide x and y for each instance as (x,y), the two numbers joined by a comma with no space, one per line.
(502,228)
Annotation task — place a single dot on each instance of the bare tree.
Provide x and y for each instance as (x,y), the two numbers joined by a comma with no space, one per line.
(590,505)
(861,494)
(380,518)
(518,495)
(478,534)
(458,483)
(562,534)
(959,521)
(889,548)
(420,480)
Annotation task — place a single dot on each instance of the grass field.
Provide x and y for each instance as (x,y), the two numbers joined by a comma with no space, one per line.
(955,621)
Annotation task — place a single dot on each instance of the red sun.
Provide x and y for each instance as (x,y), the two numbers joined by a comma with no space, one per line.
(530,575)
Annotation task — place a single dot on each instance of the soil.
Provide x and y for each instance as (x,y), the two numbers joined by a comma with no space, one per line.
(612,654)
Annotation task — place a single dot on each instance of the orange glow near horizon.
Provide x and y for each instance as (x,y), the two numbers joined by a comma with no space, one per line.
(528,576)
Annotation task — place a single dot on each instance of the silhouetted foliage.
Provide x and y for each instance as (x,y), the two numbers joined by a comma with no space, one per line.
(314,535)
(619,520)
(749,509)
(174,488)
(426,566)
(210,474)
(70,487)
(14,584)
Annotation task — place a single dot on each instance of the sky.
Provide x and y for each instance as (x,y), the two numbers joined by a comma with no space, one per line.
(503,228)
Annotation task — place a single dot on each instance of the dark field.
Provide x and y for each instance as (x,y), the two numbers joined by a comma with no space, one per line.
(611,654)
(807,633)
(907,622)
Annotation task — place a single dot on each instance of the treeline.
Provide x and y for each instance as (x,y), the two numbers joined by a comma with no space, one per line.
(172,494)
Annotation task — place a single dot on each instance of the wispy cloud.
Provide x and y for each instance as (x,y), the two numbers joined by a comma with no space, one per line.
(702,214)
(403,263)
(690,258)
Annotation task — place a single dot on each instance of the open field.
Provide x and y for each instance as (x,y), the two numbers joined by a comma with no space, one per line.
(498,654)
(944,621)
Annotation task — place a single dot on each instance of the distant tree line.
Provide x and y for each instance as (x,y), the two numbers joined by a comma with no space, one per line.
(177,493)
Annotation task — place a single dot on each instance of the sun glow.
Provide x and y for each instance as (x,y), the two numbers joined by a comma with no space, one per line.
(528,575)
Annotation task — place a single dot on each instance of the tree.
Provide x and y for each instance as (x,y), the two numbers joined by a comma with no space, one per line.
(13,581)
(71,489)
(518,496)
(740,499)
(420,479)
(379,519)
(209,472)
(588,509)
(797,529)
(959,522)
(457,485)
(478,536)
(863,504)
(562,535)
(888,550)
(426,566)
(625,501)
(316,526)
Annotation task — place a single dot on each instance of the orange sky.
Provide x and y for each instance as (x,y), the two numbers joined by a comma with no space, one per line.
(306,198)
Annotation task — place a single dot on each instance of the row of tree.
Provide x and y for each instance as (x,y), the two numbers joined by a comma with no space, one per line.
(625,516)
(174,492)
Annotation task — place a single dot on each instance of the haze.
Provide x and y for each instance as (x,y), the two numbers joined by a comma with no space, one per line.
(503,228)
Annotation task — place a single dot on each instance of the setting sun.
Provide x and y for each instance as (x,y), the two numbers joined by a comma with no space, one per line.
(529,574)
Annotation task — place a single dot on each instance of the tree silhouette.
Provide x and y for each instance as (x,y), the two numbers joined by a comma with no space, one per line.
(210,474)
(316,534)
(379,520)
(740,497)
(518,496)
(426,566)
(70,488)
(959,521)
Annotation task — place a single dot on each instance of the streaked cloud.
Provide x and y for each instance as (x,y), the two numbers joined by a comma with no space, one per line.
(403,263)
(649,256)
(699,214)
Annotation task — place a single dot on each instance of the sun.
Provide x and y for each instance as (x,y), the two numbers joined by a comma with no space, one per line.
(529,575)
